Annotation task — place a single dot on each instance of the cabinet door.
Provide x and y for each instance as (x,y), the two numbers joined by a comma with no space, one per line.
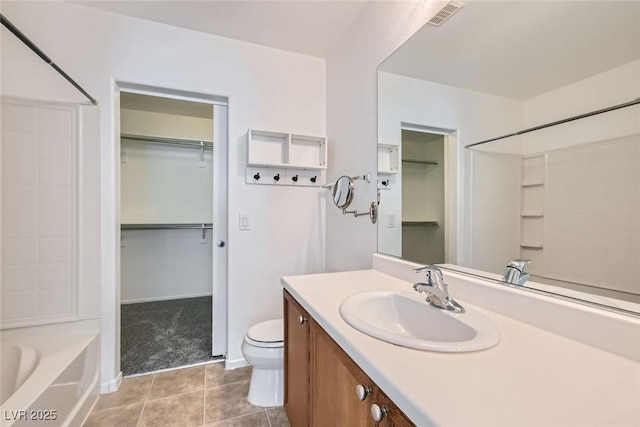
(392,415)
(334,377)
(296,362)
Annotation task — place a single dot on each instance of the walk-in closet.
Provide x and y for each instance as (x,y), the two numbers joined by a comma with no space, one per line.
(166,217)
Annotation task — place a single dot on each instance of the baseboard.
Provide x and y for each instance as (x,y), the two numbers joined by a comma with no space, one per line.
(135,301)
(235,364)
(111,386)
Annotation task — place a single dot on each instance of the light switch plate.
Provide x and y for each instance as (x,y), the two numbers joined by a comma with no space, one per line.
(391,221)
(244,223)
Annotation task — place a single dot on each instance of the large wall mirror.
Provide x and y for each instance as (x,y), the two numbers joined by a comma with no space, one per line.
(566,196)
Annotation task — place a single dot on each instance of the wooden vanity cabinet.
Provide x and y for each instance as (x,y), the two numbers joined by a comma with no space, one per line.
(324,386)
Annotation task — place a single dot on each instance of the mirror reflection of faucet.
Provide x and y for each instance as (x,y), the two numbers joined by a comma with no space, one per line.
(514,273)
(436,289)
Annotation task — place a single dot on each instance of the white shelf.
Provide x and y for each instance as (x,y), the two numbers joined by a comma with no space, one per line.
(285,150)
(532,184)
(532,214)
(531,245)
(388,159)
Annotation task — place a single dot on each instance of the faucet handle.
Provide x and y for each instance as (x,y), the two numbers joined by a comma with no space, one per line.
(432,279)
(518,264)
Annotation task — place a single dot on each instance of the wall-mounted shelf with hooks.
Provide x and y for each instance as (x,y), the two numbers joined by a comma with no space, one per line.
(277,158)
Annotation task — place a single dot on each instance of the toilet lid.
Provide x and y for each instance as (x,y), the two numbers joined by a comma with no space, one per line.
(269,331)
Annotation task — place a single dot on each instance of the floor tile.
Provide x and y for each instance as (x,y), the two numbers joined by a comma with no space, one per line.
(121,416)
(217,375)
(278,417)
(228,401)
(181,410)
(257,419)
(131,390)
(177,382)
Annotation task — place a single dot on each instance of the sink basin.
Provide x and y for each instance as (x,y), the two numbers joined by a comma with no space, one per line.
(406,319)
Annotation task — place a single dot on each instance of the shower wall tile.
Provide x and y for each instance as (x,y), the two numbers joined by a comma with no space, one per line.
(19,225)
(55,276)
(19,198)
(54,302)
(19,145)
(19,118)
(54,173)
(54,225)
(19,251)
(19,278)
(54,250)
(54,199)
(17,305)
(37,233)
(19,171)
(55,122)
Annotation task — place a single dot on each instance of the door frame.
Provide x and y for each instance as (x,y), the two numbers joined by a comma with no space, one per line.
(220,206)
(453,249)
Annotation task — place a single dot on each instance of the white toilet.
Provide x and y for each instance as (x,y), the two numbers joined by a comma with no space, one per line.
(263,348)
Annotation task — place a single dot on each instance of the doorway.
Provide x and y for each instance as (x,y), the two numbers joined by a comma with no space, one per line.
(172,256)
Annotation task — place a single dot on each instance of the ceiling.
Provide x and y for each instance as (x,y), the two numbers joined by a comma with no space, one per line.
(520,49)
(156,104)
(310,27)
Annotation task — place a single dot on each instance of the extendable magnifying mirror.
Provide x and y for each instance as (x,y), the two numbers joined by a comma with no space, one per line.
(343,192)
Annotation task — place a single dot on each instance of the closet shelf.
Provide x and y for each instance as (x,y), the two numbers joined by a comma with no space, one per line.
(423,162)
(170,141)
(532,184)
(531,245)
(532,215)
(191,226)
(421,223)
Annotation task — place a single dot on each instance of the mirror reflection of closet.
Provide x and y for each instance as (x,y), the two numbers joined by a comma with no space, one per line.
(166,214)
(423,197)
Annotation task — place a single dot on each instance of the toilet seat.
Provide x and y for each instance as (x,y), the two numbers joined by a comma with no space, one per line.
(267,334)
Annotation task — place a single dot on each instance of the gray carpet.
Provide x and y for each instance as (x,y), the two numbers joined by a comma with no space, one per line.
(165,334)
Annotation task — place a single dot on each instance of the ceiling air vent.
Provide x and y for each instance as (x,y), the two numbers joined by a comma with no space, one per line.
(446,12)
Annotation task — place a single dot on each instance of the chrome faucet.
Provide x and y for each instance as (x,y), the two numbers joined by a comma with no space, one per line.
(514,273)
(436,289)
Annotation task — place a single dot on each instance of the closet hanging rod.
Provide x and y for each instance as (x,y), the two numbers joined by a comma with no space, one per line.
(172,141)
(31,45)
(559,122)
(201,226)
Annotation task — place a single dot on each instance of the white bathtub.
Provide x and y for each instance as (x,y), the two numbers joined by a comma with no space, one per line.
(48,375)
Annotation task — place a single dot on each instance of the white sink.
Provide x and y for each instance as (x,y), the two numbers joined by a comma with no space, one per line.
(406,319)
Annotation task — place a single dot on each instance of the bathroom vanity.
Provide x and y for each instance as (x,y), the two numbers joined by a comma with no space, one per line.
(557,363)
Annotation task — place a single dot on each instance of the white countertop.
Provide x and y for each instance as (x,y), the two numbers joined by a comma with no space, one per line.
(531,378)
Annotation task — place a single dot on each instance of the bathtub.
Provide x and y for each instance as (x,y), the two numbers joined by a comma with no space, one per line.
(49,375)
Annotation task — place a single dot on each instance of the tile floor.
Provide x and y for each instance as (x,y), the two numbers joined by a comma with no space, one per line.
(200,396)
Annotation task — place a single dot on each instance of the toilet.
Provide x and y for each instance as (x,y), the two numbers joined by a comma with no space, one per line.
(263,348)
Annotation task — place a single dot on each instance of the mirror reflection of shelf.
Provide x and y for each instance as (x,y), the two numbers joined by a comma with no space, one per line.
(421,223)
(532,215)
(388,159)
(532,184)
(531,245)
(423,162)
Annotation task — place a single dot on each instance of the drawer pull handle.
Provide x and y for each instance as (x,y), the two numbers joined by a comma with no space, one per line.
(378,412)
(302,319)
(362,391)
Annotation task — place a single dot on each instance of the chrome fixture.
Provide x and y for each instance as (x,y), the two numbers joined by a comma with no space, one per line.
(436,289)
(343,190)
(514,273)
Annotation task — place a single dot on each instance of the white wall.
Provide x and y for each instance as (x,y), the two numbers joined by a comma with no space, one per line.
(352,114)
(475,116)
(266,88)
